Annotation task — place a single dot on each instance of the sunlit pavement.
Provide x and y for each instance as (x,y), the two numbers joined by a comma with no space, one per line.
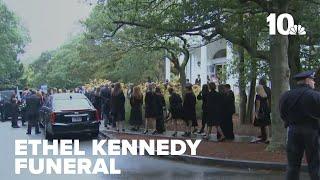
(132,167)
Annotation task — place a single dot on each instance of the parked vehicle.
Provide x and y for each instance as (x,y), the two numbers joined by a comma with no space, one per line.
(5,96)
(69,113)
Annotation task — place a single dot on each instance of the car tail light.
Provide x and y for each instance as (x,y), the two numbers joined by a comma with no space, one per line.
(98,115)
(53,117)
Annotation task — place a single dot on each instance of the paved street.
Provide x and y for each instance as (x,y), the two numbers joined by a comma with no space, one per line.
(133,167)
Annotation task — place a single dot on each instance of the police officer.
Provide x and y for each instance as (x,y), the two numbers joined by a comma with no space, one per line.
(300,110)
(33,104)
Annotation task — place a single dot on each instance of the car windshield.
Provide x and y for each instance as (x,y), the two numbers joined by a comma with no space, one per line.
(71,104)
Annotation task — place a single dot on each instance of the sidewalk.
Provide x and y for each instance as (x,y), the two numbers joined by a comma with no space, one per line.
(239,153)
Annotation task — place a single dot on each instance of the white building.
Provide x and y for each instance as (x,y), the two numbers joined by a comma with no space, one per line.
(206,61)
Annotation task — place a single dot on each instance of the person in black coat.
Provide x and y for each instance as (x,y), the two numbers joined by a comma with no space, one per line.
(97,100)
(33,105)
(189,110)
(160,107)
(14,111)
(150,106)
(228,104)
(117,106)
(136,101)
(215,111)
(175,109)
(105,96)
(203,96)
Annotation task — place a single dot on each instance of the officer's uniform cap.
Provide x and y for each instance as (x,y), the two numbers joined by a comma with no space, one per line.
(304,75)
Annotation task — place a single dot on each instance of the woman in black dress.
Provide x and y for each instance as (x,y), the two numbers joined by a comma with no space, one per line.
(189,110)
(203,96)
(227,113)
(215,111)
(117,106)
(136,102)
(262,113)
(175,109)
(150,107)
(160,107)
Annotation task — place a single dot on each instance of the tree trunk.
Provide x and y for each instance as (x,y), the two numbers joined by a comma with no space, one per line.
(182,80)
(242,86)
(280,83)
(294,58)
(252,91)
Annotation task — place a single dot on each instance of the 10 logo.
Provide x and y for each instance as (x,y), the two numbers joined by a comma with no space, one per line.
(276,24)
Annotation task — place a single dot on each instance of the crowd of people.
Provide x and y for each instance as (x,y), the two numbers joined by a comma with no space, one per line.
(218,107)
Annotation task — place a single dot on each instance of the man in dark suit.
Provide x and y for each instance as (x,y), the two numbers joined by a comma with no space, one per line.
(33,104)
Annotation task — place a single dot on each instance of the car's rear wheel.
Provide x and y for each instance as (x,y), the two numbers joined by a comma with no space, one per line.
(47,134)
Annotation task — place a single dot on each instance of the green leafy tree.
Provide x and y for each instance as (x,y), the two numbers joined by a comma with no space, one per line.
(13,38)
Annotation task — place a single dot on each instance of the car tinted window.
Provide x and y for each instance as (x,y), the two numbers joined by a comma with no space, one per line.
(71,104)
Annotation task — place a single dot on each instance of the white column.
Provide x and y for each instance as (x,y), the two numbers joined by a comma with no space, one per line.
(204,71)
(168,69)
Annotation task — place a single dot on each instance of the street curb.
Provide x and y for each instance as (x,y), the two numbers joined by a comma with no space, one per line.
(210,161)
(242,164)
(193,137)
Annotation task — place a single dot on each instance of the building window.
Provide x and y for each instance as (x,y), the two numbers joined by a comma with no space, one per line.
(220,54)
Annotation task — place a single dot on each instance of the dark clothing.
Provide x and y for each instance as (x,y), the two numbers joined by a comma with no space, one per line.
(33,105)
(263,118)
(301,106)
(105,95)
(228,111)
(189,109)
(136,111)
(175,106)
(2,117)
(214,108)
(14,113)
(117,107)
(303,140)
(204,97)
(300,110)
(160,106)
(198,81)
(150,106)
(97,102)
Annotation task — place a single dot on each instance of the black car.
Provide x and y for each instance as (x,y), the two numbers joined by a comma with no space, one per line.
(69,113)
(5,96)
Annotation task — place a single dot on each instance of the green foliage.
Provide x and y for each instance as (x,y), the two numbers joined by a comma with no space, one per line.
(81,60)
(13,38)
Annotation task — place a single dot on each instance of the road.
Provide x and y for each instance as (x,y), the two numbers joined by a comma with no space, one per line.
(132,167)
